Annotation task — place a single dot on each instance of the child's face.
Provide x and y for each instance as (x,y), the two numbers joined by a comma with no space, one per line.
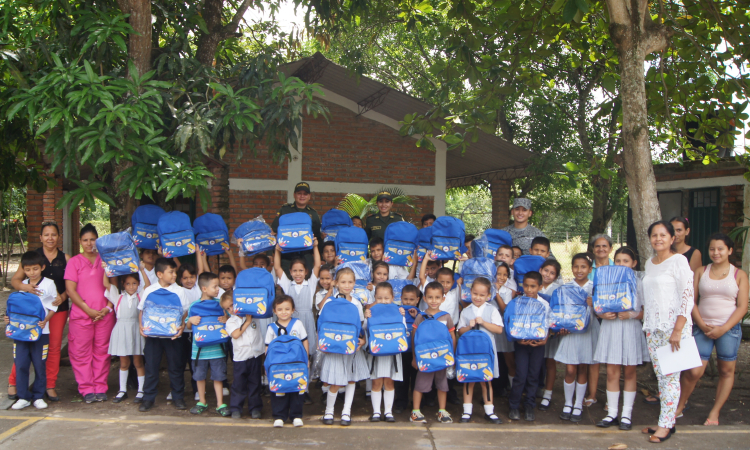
(530,287)
(325,279)
(549,275)
(131,285)
(502,276)
(505,255)
(226,280)
(357,222)
(383,296)
(409,299)
(480,294)
(431,268)
(428,223)
(33,271)
(517,253)
(540,250)
(260,262)
(376,252)
(623,259)
(345,283)
(433,298)
(446,281)
(284,310)
(581,269)
(212,290)
(380,275)
(188,280)
(226,305)
(329,253)
(169,276)
(298,273)
(521,215)
(149,257)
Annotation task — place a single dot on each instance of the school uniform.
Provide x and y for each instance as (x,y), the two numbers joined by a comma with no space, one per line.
(489,314)
(192,295)
(385,366)
(247,360)
(152,278)
(398,272)
(424,380)
(449,305)
(554,341)
(126,339)
(579,348)
(339,370)
(303,295)
(287,406)
(529,362)
(502,344)
(623,341)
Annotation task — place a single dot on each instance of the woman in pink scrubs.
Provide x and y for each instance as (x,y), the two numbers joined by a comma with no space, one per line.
(91,319)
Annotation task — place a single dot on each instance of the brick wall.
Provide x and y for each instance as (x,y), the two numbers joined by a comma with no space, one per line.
(323,201)
(359,150)
(732,208)
(255,166)
(246,205)
(43,208)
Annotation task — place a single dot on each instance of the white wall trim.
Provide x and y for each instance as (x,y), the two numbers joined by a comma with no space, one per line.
(699,183)
(294,169)
(248,184)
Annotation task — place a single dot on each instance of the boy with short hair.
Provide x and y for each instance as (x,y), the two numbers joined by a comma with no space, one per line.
(540,246)
(529,356)
(443,276)
(227,275)
(517,252)
(248,350)
(357,222)
(210,357)
(377,247)
(428,220)
(154,348)
(26,354)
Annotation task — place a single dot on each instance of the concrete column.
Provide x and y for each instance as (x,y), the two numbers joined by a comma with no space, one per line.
(500,203)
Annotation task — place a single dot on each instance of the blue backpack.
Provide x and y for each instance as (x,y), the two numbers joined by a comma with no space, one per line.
(25,311)
(423,242)
(400,243)
(448,238)
(118,252)
(433,345)
(525,264)
(351,245)
(475,268)
(475,357)
(409,323)
(525,319)
(615,288)
(144,222)
(255,237)
(176,236)
(398,286)
(362,276)
(333,221)
(339,327)
(386,331)
(286,363)
(162,314)
(210,331)
(211,233)
(487,244)
(569,310)
(254,292)
(295,232)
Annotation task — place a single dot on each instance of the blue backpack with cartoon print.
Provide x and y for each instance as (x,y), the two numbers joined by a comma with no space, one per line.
(333,221)
(339,327)
(525,264)
(433,344)
(295,233)
(488,243)
(615,288)
(475,357)
(176,237)
(119,253)
(211,233)
(286,363)
(400,243)
(386,331)
(144,220)
(525,318)
(477,268)
(423,242)
(351,245)
(448,238)
(25,311)
(254,292)
(162,314)
(210,331)
(255,236)
(569,310)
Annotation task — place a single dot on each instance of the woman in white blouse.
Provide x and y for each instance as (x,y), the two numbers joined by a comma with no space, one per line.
(668,302)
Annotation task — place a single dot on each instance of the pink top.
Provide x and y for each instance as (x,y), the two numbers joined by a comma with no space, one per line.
(718,298)
(90,284)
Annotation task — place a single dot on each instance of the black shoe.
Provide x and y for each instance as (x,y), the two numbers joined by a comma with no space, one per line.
(118,398)
(607,422)
(465,418)
(543,406)
(389,417)
(565,415)
(626,426)
(101,397)
(145,406)
(514,414)
(138,399)
(376,417)
(328,421)
(179,404)
(346,422)
(89,398)
(308,399)
(493,418)
(576,417)
(236,415)
(529,415)
(49,397)
(672,430)
(255,414)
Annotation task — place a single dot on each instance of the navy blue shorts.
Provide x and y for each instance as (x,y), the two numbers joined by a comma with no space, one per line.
(218,369)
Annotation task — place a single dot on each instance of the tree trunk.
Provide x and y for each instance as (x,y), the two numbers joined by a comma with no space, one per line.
(119,217)
(601,212)
(139,45)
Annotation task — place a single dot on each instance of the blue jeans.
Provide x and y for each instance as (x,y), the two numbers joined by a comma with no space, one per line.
(727,345)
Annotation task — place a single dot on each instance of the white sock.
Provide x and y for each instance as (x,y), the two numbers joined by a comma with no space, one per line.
(376,398)
(580,393)
(547,395)
(628,398)
(510,380)
(388,397)
(326,389)
(569,389)
(123,381)
(331,401)
(468,408)
(368,385)
(612,399)
(489,409)
(348,398)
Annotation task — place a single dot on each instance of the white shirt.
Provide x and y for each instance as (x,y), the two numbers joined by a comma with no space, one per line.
(286,285)
(550,289)
(151,274)
(449,305)
(496,317)
(174,287)
(47,297)
(427,280)
(667,294)
(398,272)
(298,331)
(221,292)
(113,295)
(250,343)
(319,297)
(193,294)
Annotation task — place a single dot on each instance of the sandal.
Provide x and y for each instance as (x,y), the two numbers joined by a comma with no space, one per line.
(587,402)
(672,430)
(651,400)
(199,408)
(223,410)
(711,423)
(658,440)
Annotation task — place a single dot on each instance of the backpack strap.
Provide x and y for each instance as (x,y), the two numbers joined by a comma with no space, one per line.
(282,330)
(117,306)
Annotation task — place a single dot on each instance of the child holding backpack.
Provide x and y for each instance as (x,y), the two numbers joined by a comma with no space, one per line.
(286,405)
(488,319)
(503,296)
(550,272)
(325,280)
(410,298)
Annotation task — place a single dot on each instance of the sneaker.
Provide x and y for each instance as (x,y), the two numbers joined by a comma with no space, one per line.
(297,422)
(101,397)
(20,404)
(200,408)
(89,398)
(169,396)
(197,397)
(444,417)
(417,416)
(40,404)
(278,423)
(225,391)
(223,410)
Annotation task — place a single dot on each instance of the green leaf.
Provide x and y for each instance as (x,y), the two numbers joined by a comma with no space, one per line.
(571,8)
(583,6)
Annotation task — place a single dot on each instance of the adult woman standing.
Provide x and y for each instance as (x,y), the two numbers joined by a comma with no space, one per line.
(91,321)
(601,245)
(681,233)
(722,296)
(54,270)
(668,302)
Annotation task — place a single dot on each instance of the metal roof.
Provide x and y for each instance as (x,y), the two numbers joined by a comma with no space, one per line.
(490,158)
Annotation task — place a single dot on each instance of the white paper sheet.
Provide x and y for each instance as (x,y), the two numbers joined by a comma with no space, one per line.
(687,357)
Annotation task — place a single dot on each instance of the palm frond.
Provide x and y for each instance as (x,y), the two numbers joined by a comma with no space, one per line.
(354,205)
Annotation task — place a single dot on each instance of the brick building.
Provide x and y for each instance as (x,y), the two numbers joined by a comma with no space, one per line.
(358,150)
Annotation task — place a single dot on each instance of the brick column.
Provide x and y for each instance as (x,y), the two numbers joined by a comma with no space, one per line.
(500,203)
(43,208)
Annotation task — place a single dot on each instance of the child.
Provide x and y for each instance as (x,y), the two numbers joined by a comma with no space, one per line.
(621,344)
(287,406)
(377,247)
(26,354)
(247,346)
(434,297)
(357,222)
(489,320)
(577,350)
(410,296)
(263,261)
(210,357)
(325,279)
(504,254)
(384,370)
(148,258)
(503,296)
(187,277)
(343,370)
(329,253)
(125,340)
(154,347)
(227,275)
(444,276)
(540,246)
(529,357)
(380,274)
(550,272)
(430,272)
(517,252)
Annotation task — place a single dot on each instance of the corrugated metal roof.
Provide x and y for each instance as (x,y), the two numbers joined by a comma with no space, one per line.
(489,154)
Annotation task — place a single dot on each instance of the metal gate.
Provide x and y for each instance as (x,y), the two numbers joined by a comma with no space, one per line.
(704,219)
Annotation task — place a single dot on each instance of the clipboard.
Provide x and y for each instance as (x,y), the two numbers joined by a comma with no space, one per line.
(687,357)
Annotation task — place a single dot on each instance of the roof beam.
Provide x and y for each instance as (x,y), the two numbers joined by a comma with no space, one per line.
(487,177)
(372,101)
